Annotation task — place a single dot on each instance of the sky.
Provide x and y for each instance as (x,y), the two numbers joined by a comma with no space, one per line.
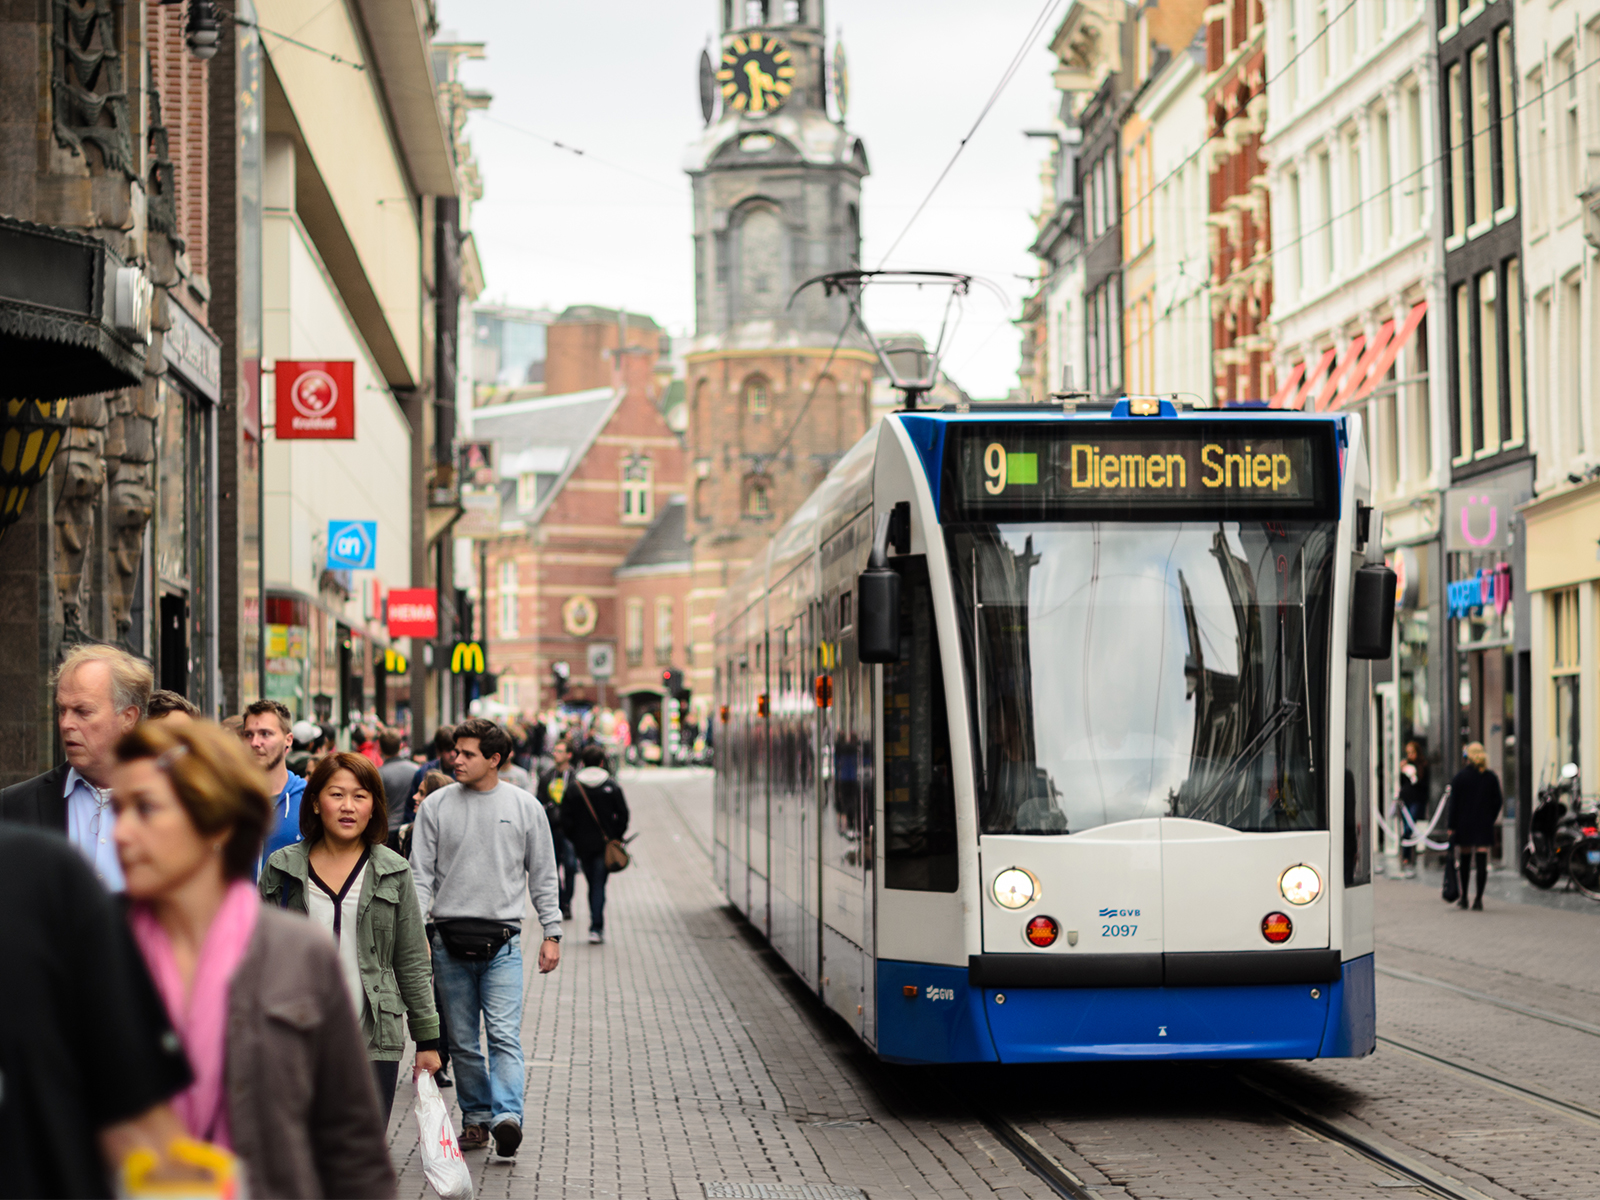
(618,80)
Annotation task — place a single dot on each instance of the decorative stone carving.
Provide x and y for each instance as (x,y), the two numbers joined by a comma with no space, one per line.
(90,102)
(82,475)
(130,453)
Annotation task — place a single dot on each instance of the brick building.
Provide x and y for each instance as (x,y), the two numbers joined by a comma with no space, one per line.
(1241,226)
(583,476)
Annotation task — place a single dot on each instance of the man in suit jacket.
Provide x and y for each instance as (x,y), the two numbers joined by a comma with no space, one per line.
(101,692)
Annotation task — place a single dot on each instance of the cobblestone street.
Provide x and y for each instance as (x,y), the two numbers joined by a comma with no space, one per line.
(681,1053)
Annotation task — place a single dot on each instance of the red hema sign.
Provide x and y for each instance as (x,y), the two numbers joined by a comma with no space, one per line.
(316,399)
(414,612)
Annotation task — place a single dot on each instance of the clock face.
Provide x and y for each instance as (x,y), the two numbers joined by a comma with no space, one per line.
(756,73)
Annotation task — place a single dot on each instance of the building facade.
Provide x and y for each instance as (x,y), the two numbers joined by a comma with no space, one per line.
(1351,139)
(777,389)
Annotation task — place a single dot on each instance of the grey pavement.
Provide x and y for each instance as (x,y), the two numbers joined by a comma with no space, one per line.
(682,1052)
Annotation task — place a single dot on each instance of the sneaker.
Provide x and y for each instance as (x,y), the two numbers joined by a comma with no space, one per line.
(441,1078)
(596,937)
(507,1137)
(473,1137)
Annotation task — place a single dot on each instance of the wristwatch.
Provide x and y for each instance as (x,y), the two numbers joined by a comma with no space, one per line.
(552,937)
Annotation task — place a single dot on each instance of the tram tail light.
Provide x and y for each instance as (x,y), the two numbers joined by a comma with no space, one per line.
(761,706)
(724,714)
(1043,931)
(824,691)
(910,990)
(1276,927)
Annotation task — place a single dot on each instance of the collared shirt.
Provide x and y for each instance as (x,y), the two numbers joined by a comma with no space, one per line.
(91,823)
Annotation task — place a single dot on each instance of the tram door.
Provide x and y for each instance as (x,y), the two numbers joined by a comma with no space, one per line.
(846,785)
(760,724)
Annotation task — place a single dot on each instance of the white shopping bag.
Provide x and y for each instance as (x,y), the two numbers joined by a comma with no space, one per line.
(441,1157)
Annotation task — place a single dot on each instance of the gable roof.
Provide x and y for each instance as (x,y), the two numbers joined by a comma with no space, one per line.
(547,434)
(663,544)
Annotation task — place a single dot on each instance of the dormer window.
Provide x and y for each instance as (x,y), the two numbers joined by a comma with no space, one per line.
(636,490)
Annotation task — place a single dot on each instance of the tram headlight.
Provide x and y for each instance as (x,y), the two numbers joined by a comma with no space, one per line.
(1015,888)
(1300,884)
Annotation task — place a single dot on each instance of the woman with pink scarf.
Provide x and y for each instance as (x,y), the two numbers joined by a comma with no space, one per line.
(256,996)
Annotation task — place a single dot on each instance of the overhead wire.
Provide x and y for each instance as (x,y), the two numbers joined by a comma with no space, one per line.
(1011,69)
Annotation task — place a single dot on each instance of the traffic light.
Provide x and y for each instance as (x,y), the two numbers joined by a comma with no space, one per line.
(672,680)
(560,673)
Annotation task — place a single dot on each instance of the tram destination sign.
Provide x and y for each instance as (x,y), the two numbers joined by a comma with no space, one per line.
(1073,469)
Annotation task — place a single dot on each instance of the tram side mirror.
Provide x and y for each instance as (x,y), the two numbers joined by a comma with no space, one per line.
(878,604)
(1372,612)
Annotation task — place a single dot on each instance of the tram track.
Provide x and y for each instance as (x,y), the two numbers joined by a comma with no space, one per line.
(1526,1010)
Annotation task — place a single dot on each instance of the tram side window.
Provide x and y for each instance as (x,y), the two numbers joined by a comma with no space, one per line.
(1357,775)
(918,789)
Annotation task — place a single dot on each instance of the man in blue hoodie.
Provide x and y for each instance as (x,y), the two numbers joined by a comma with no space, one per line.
(266,730)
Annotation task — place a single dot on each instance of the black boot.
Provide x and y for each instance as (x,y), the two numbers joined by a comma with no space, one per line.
(1483,878)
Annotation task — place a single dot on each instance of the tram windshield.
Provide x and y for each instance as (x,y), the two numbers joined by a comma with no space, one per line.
(1125,670)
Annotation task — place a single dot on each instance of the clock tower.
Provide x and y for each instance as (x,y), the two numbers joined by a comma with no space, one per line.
(777,390)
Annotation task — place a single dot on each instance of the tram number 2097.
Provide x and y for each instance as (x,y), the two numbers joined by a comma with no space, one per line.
(1118,930)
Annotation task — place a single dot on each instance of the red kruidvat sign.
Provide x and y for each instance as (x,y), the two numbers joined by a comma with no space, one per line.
(414,612)
(316,399)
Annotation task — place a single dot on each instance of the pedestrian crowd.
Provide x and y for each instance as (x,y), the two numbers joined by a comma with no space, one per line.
(228,933)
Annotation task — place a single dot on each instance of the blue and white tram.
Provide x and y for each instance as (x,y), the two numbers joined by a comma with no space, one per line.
(1111,797)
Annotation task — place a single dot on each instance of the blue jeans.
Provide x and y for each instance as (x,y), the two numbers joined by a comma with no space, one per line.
(594,873)
(490,991)
(567,860)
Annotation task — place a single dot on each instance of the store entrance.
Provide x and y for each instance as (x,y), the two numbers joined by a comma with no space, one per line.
(174,647)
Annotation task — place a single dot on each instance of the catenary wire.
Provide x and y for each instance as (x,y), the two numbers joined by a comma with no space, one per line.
(1011,69)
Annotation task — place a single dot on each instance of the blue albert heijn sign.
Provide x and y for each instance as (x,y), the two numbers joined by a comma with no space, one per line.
(352,545)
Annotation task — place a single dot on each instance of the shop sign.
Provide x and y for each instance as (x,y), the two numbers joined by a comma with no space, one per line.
(286,641)
(316,399)
(1485,588)
(1477,519)
(480,514)
(352,545)
(466,658)
(413,612)
(193,352)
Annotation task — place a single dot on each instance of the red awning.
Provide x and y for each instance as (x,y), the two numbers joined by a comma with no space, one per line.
(1363,368)
(1386,359)
(1351,355)
(1312,377)
(1288,386)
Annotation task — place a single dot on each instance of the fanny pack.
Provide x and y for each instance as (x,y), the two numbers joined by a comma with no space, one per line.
(473,939)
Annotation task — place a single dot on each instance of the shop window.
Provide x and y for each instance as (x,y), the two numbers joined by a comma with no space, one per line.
(509,614)
(633,631)
(757,396)
(663,630)
(1564,675)
(636,506)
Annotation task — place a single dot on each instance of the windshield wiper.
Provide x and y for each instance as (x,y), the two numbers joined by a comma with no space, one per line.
(1275,723)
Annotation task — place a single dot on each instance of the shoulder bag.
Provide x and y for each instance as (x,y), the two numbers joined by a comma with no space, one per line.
(617,856)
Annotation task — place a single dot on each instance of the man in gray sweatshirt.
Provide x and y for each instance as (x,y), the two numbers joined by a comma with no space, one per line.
(473,845)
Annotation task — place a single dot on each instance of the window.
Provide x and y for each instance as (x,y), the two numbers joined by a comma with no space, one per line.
(919,804)
(1461,334)
(1325,214)
(755,12)
(1355,196)
(1478,115)
(1384,193)
(756,505)
(1291,71)
(1564,668)
(1571,174)
(756,396)
(1416,170)
(1320,56)
(794,12)
(527,491)
(633,630)
(636,505)
(1458,153)
(1452,14)
(1544,397)
(1571,355)
(1506,160)
(663,630)
(1512,302)
(1539,167)
(1488,338)
(1419,407)
(508,599)
(1297,246)
(509,691)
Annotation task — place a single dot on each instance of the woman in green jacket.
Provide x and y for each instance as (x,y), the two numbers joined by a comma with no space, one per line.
(345,878)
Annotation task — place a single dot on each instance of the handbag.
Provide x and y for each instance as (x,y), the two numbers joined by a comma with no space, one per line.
(1452,885)
(617,856)
(473,939)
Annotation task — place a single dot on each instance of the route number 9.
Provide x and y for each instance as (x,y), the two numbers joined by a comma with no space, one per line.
(994,466)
